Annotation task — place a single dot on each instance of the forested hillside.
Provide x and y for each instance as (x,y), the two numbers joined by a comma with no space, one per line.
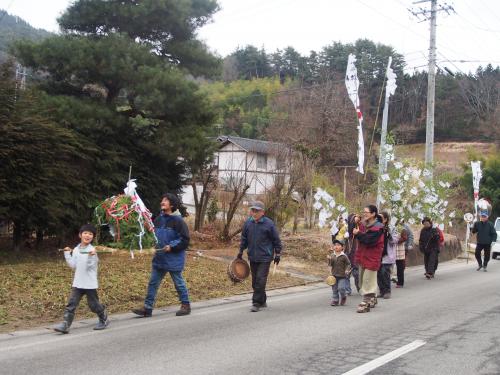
(14,28)
(467,105)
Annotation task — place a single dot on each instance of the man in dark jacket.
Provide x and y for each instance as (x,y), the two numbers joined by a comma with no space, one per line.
(261,238)
(486,234)
(172,234)
(429,246)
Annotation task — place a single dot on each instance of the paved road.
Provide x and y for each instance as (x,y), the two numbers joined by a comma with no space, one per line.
(457,315)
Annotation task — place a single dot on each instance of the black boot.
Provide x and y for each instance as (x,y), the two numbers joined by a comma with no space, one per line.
(103,321)
(143,312)
(64,326)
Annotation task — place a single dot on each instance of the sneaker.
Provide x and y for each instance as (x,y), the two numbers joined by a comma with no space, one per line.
(484,269)
(343,301)
(143,312)
(479,268)
(334,303)
(184,310)
(399,286)
(428,276)
(387,296)
(255,308)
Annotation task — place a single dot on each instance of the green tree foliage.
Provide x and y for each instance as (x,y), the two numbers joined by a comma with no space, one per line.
(118,78)
(243,106)
(463,101)
(41,163)
(13,28)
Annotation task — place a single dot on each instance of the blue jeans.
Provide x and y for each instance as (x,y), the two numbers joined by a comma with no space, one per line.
(157,275)
(339,289)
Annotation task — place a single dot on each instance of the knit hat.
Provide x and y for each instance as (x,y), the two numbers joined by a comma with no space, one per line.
(339,242)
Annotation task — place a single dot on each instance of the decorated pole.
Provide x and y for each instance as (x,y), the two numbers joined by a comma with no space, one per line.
(352,85)
(389,90)
(477,174)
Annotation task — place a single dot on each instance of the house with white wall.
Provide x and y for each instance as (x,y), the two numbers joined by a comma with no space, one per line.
(246,161)
(252,162)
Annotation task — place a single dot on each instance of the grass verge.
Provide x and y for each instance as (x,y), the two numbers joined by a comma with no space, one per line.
(34,289)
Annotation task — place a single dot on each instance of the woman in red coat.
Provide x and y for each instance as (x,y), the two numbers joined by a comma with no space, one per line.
(370,236)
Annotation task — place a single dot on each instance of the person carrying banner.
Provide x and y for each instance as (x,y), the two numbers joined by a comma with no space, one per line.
(170,257)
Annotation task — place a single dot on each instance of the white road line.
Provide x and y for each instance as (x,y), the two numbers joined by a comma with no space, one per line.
(380,361)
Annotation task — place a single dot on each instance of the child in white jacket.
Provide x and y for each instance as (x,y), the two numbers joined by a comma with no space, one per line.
(83,259)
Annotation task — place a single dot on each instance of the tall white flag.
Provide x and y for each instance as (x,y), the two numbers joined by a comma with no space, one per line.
(352,85)
(477,174)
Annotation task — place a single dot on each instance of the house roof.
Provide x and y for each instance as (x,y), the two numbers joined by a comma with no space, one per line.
(252,145)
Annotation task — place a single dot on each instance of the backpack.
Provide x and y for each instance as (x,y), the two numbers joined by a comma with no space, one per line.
(441,237)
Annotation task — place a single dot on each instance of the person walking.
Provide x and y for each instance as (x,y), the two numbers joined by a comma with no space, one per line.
(486,235)
(340,267)
(401,252)
(350,249)
(370,237)
(83,259)
(170,257)
(261,240)
(391,238)
(429,246)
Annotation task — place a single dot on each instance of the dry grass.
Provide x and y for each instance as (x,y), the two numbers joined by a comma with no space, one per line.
(34,289)
(448,156)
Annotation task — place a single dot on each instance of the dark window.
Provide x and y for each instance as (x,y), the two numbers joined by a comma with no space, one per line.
(261,161)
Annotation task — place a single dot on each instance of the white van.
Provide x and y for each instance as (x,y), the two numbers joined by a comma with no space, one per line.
(495,247)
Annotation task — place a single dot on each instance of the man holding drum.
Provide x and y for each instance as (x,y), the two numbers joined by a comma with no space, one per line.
(261,239)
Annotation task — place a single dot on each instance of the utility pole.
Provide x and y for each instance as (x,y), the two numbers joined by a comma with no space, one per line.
(431,76)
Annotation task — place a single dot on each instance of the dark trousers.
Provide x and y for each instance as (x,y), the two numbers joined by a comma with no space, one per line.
(487,250)
(431,260)
(260,271)
(400,270)
(92,300)
(384,278)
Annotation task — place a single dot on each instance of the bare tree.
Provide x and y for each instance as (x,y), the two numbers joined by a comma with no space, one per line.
(237,186)
(318,123)
(207,179)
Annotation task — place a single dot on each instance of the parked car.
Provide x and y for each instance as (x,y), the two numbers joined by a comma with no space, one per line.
(495,247)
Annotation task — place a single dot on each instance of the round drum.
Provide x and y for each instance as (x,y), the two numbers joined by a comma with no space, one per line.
(238,270)
(331,280)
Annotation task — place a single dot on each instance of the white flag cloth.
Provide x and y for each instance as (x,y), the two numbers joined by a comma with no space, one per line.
(144,215)
(390,88)
(477,174)
(352,85)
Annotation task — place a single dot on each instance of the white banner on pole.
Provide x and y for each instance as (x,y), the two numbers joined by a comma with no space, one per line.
(477,174)
(352,85)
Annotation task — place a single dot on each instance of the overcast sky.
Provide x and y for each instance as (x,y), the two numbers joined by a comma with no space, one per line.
(472,34)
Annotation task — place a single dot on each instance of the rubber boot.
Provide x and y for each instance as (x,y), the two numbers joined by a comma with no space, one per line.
(64,326)
(103,321)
